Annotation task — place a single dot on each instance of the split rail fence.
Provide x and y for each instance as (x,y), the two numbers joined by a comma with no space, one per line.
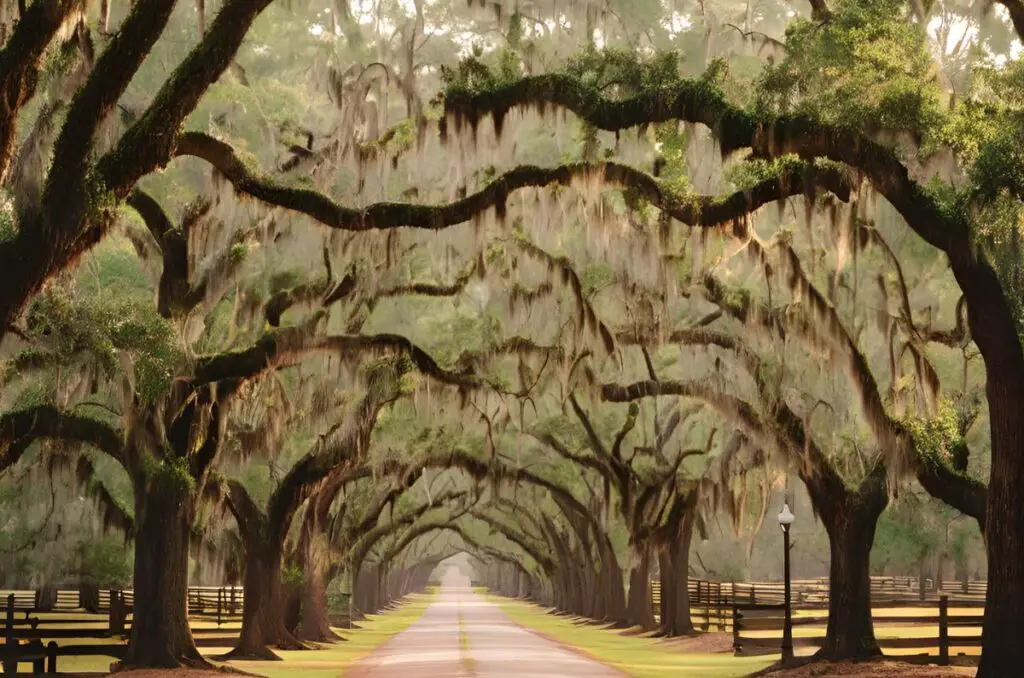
(903,612)
(36,632)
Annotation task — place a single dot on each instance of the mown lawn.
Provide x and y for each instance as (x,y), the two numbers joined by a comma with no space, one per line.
(634,655)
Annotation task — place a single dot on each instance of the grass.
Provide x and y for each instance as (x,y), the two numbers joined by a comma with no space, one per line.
(332,661)
(335,660)
(634,655)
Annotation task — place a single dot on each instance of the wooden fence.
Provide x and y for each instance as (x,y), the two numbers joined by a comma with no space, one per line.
(814,592)
(202,600)
(27,627)
(757,629)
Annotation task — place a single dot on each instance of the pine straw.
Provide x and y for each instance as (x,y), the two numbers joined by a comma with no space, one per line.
(885,668)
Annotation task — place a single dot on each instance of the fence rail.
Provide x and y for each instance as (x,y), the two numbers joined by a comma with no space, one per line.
(766,620)
(201,599)
(66,617)
(813,593)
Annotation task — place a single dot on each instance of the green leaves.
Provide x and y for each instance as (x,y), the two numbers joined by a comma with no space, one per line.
(867,67)
(936,438)
(102,330)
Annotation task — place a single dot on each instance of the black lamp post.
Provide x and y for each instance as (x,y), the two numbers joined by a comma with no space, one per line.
(786,518)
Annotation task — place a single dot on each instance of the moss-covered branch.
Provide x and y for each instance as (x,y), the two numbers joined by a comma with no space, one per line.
(20,62)
(149,143)
(694,210)
(114,514)
(289,344)
(95,100)
(21,427)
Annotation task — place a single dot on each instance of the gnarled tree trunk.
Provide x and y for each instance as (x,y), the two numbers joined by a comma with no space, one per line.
(639,602)
(315,624)
(850,518)
(1002,652)
(850,633)
(263,617)
(160,635)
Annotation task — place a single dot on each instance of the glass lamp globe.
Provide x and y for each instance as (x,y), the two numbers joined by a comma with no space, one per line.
(786,516)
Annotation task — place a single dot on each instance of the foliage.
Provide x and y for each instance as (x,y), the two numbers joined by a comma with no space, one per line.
(866,67)
(103,330)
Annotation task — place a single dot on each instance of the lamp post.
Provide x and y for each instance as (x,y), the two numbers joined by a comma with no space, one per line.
(785,520)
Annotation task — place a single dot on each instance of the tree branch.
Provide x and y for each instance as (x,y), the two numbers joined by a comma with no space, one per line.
(696,211)
(19,428)
(20,63)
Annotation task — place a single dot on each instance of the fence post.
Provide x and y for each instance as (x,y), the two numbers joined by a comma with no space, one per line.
(220,602)
(707,608)
(943,630)
(735,629)
(232,608)
(718,607)
(51,657)
(11,661)
(753,596)
(112,613)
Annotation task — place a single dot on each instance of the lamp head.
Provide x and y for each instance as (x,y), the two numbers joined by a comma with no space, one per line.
(786,517)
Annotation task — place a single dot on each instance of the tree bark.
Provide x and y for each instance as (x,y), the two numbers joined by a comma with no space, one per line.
(612,590)
(675,574)
(263,617)
(850,633)
(160,635)
(315,624)
(1002,652)
(639,603)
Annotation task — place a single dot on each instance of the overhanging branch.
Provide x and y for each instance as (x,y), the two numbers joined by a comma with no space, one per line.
(19,428)
(693,210)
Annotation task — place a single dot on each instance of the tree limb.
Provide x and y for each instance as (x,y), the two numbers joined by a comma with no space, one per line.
(18,429)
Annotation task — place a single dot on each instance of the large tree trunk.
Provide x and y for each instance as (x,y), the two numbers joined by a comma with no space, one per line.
(612,588)
(315,624)
(850,633)
(675,570)
(160,635)
(675,594)
(1002,652)
(640,611)
(263,617)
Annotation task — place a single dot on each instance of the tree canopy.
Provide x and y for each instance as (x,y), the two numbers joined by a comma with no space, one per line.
(314,296)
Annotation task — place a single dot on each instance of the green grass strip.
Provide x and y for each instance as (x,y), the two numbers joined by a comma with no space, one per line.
(634,655)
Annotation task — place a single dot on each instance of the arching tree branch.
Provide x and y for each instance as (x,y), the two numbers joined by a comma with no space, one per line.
(18,429)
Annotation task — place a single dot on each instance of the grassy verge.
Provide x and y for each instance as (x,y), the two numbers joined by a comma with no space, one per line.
(634,655)
(332,661)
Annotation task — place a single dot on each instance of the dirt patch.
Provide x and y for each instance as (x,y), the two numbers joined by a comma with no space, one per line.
(180,673)
(888,669)
(703,642)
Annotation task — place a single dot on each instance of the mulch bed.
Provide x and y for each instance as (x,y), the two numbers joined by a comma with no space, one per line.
(885,668)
